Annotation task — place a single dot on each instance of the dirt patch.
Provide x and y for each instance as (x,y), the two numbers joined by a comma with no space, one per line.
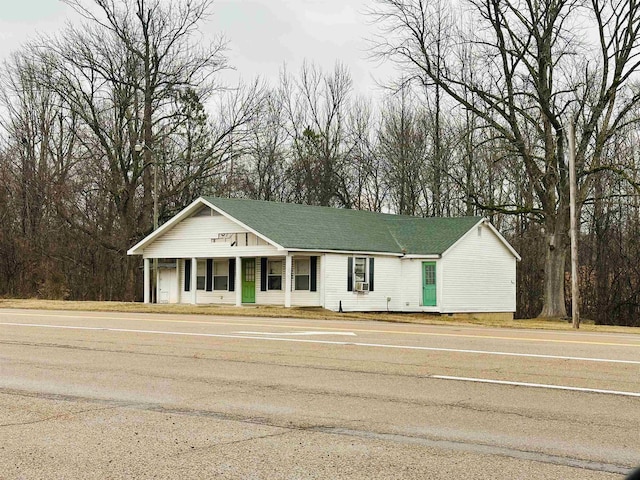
(488,320)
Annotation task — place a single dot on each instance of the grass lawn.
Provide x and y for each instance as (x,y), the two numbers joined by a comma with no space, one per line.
(310,313)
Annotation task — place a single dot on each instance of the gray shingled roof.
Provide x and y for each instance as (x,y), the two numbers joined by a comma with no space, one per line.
(323,228)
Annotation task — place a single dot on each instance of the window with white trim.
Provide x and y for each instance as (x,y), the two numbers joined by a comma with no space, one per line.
(360,269)
(274,274)
(302,275)
(201,281)
(221,275)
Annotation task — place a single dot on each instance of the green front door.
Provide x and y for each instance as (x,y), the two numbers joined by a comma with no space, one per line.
(248,280)
(429,284)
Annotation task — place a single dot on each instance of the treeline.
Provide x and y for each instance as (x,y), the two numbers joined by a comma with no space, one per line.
(104,117)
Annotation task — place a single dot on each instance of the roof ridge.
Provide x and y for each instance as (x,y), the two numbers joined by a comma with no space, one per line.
(395,216)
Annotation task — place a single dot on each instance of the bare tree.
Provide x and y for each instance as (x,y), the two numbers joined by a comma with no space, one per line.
(133,74)
(316,104)
(363,181)
(527,82)
(38,162)
(403,145)
(267,152)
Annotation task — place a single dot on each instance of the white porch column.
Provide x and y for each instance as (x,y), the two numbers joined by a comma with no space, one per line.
(321,282)
(287,280)
(238,280)
(194,280)
(147,280)
(179,284)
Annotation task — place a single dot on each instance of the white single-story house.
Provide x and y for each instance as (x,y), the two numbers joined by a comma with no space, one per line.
(238,252)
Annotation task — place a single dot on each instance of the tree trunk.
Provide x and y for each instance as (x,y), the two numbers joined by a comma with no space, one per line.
(553,302)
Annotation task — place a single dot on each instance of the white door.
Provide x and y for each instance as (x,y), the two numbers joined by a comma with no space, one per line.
(167,286)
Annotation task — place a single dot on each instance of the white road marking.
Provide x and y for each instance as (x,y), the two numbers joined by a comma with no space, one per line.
(294,334)
(328,342)
(408,347)
(393,332)
(536,385)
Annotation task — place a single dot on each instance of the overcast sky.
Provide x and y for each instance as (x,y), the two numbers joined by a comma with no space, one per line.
(262,34)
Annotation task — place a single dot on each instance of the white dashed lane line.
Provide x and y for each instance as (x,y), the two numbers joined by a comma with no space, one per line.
(257,336)
(275,338)
(536,385)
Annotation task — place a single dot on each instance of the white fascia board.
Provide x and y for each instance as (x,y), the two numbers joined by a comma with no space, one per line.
(135,250)
(350,252)
(426,257)
(247,227)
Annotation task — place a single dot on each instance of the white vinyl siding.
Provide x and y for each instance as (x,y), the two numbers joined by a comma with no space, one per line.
(268,297)
(412,282)
(302,298)
(478,275)
(273,297)
(204,297)
(207,237)
(387,282)
(306,298)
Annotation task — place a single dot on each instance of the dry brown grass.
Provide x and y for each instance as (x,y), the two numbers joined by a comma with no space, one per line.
(310,313)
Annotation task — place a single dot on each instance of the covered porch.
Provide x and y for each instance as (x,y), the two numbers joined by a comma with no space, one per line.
(286,280)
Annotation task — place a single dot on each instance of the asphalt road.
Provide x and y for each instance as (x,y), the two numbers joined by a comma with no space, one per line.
(101,396)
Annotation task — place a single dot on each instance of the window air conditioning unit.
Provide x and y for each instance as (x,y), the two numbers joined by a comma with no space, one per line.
(362,286)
